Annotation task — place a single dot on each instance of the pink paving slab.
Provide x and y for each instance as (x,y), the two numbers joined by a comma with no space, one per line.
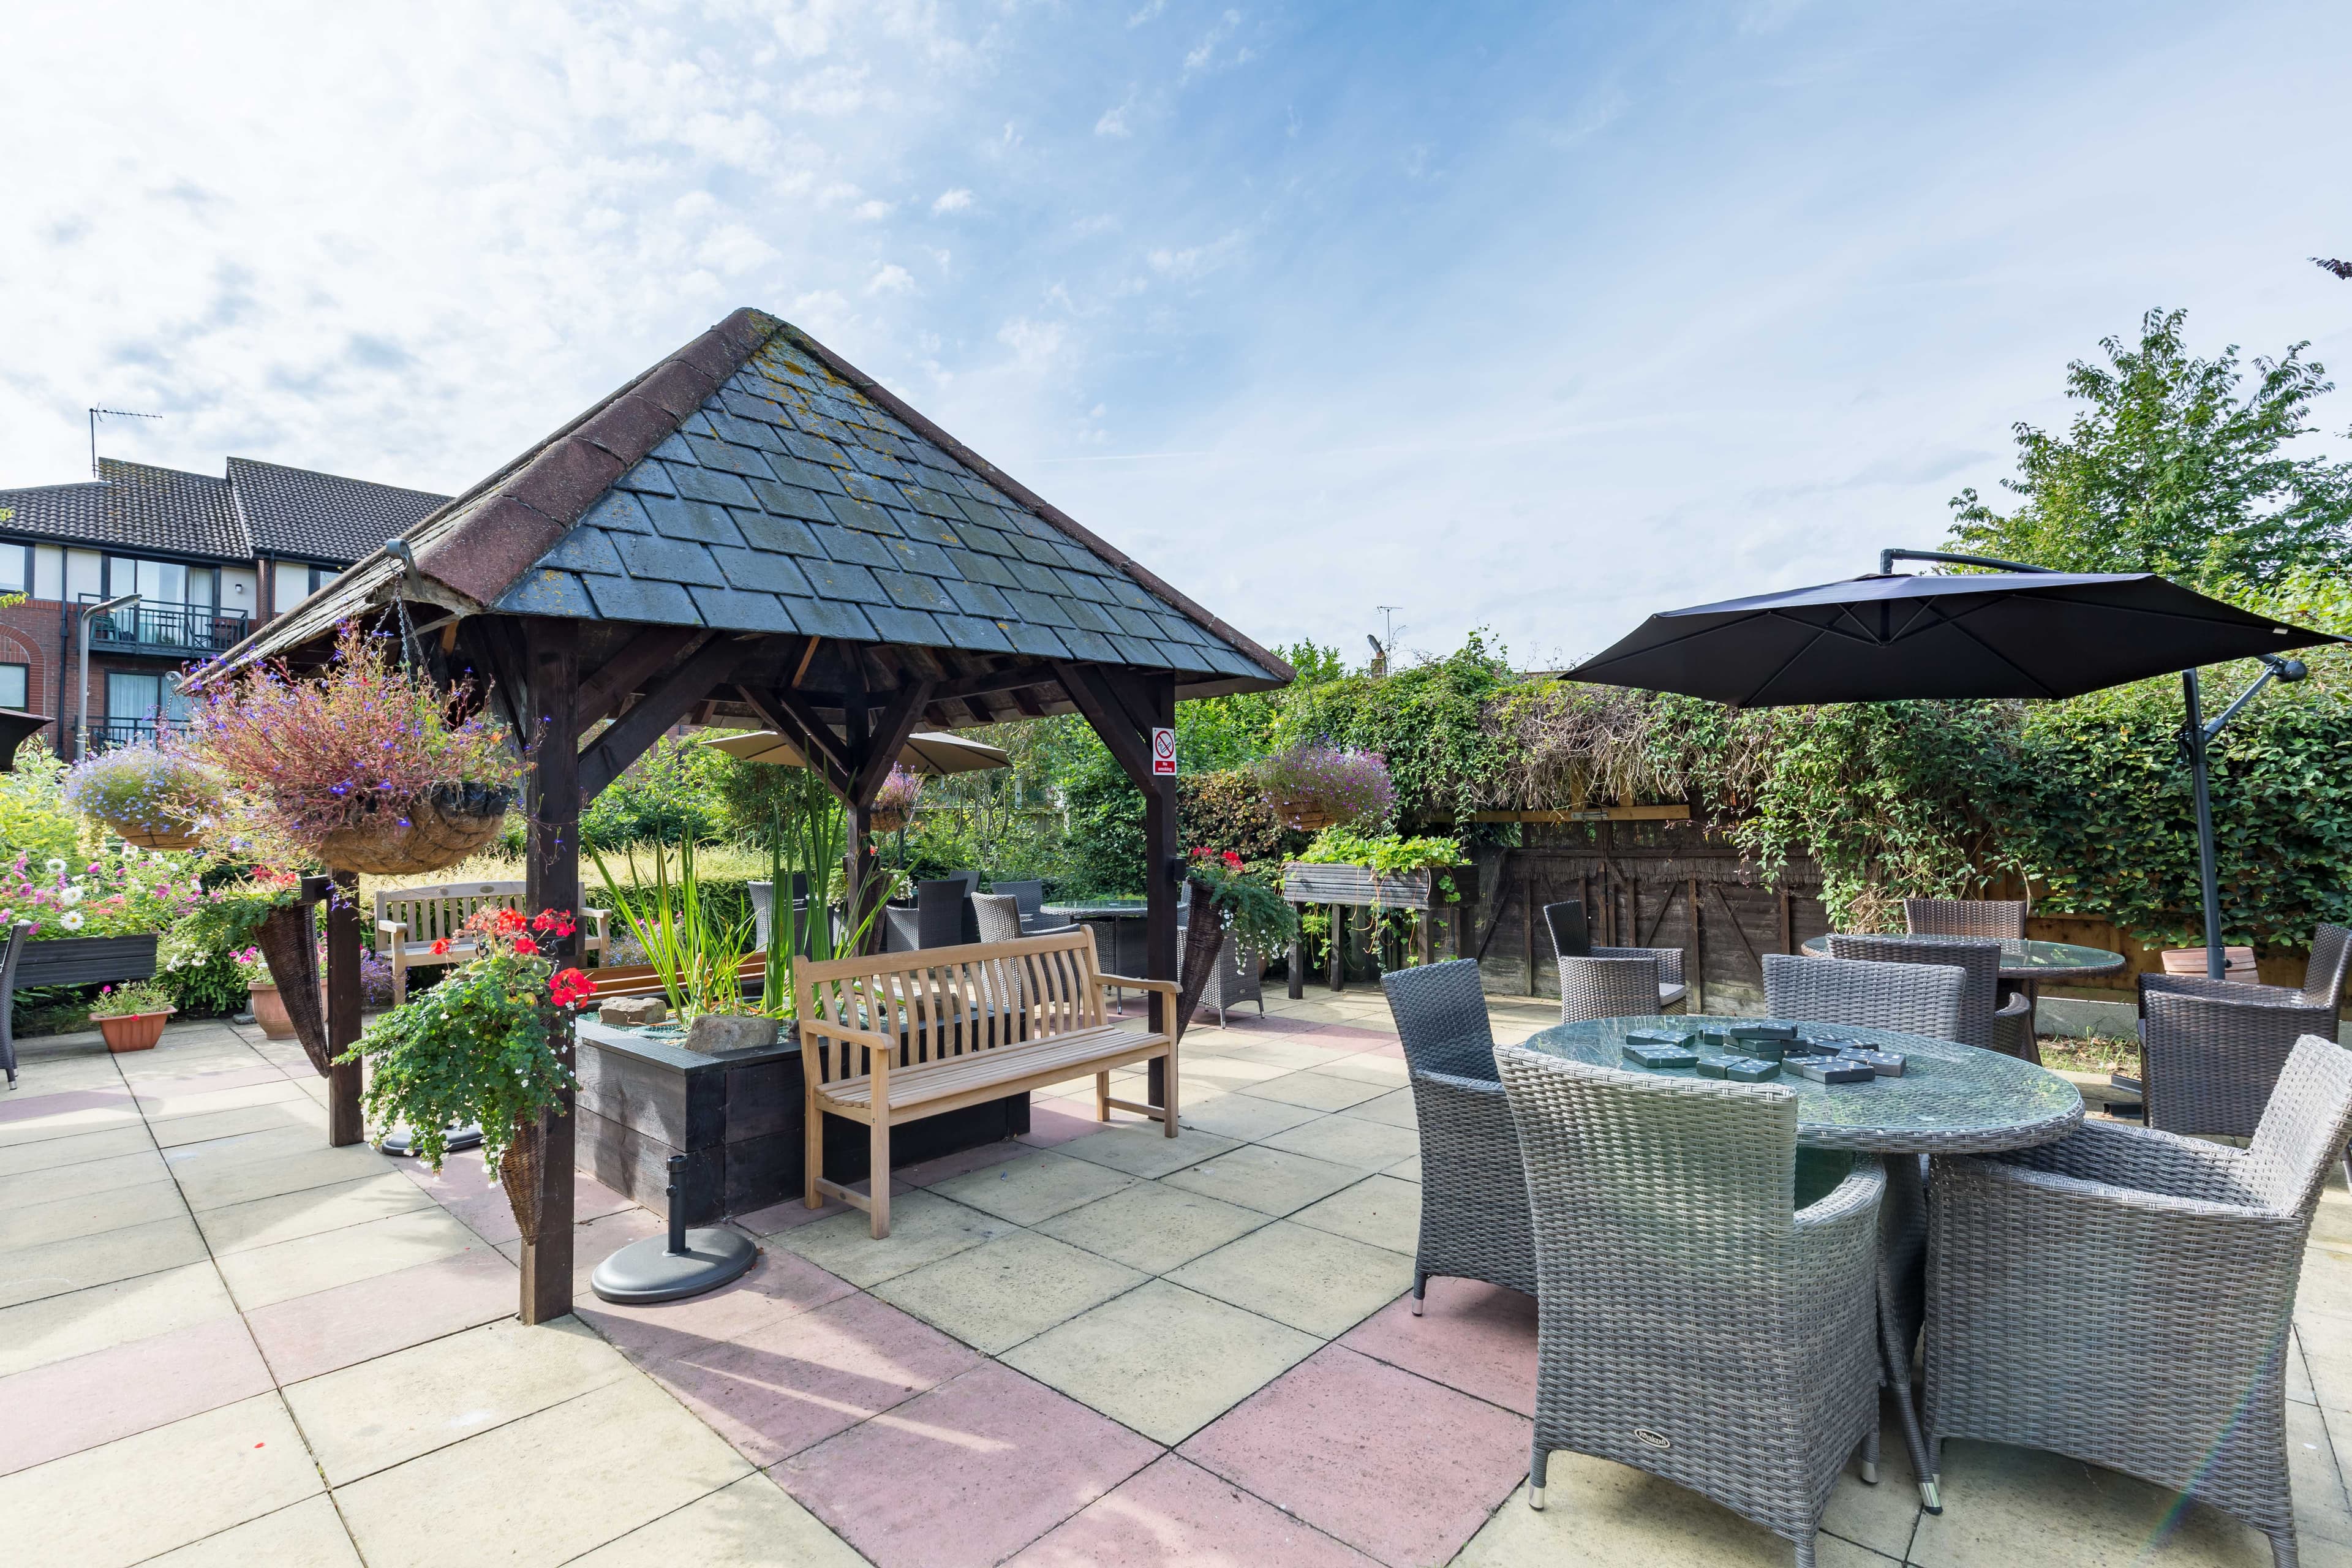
(1177,1513)
(70,1405)
(1403,1468)
(1476,1337)
(965,1475)
(368,1318)
(1047,1128)
(491,1215)
(780,1284)
(798,1379)
(22,1106)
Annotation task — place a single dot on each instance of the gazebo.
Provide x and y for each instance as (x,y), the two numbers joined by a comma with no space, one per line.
(755,530)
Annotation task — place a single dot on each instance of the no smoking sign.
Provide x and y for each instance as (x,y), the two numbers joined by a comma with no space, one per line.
(1163,753)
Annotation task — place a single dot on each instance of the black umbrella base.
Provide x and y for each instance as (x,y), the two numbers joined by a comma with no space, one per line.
(401,1141)
(649,1270)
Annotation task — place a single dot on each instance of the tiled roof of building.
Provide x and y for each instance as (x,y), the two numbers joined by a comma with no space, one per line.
(133,506)
(322,517)
(757,482)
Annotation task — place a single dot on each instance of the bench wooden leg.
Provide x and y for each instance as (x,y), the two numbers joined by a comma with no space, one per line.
(399,975)
(878,1183)
(1102,1096)
(813,1153)
(1168,1125)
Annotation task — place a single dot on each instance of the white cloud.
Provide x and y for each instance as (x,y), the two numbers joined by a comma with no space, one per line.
(1194,262)
(955,201)
(1031,343)
(1146,12)
(1202,54)
(1113,122)
(890,279)
(873,211)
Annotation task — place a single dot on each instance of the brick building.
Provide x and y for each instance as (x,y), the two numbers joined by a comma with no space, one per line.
(208,558)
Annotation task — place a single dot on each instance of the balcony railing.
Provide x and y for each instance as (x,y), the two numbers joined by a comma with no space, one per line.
(166,629)
(105,734)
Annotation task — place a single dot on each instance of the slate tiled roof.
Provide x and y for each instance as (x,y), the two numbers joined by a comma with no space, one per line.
(322,517)
(133,506)
(791,500)
(260,509)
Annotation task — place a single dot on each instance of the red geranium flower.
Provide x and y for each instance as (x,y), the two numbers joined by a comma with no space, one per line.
(525,946)
(441,947)
(510,920)
(570,987)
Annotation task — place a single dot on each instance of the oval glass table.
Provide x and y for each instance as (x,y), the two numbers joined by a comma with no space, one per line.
(2020,960)
(1951,1100)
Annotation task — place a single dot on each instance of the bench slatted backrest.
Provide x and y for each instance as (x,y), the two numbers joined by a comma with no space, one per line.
(939,1003)
(437,911)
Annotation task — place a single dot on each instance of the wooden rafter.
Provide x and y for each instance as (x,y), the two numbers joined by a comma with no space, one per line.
(670,701)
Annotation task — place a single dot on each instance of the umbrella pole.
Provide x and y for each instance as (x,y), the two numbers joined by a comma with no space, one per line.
(2193,736)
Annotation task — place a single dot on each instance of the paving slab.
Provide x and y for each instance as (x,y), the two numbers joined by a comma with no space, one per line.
(69,1406)
(1239,1116)
(753,1523)
(307,1536)
(778,1284)
(38,1224)
(543,1489)
(205,1127)
(81,1322)
(313,1263)
(1369,1066)
(1379,1211)
(1036,1187)
(1599,1515)
(209,1188)
(56,1267)
(1140,1149)
(996,1295)
(1161,1359)
(2004,1506)
(77,1175)
(198,1100)
(1473,1336)
(1394,1109)
(56,1154)
(924,1228)
(1176,1513)
(796,1381)
(1314,1090)
(962,1161)
(265,1222)
(129,1499)
(1321,1442)
(1271,1181)
(925,1485)
(92,1112)
(1153,1227)
(306,1336)
(1308,1279)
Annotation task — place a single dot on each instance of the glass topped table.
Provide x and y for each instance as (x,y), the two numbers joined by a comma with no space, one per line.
(1952,1100)
(2021,960)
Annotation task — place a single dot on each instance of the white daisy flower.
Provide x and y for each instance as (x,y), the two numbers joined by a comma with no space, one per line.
(72,895)
(57,867)
(71,921)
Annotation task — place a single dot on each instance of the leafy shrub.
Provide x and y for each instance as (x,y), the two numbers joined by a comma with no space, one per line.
(1225,811)
(36,822)
(669,796)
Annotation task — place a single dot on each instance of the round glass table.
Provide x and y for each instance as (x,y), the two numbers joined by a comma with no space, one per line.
(2021,960)
(1951,1100)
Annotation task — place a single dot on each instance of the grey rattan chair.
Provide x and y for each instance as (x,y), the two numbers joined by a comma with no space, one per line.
(2210,1049)
(2002,920)
(1692,1322)
(1986,1020)
(1570,938)
(1473,1211)
(1608,988)
(2044,1260)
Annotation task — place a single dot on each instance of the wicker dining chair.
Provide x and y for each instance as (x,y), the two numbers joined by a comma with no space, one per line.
(2042,1261)
(1570,938)
(2002,920)
(1473,1211)
(1692,1322)
(1986,1020)
(2211,1050)
(1608,988)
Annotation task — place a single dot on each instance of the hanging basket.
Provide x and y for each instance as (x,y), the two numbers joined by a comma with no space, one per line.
(156,838)
(1306,816)
(427,833)
(885,821)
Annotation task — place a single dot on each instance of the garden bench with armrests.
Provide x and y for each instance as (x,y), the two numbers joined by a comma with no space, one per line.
(409,920)
(889,1039)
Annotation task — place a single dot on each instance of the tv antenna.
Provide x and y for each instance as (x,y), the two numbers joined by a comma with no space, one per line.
(1388,624)
(97,414)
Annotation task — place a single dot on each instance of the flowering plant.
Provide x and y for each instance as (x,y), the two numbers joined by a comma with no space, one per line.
(366,740)
(144,790)
(896,801)
(483,1047)
(1253,909)
(251,967)
(1316,786)
(140,996)
(128,894)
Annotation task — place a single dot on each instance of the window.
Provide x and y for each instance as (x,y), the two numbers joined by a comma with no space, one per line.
(16,570)
(297,582)
(16,683)
(161,582)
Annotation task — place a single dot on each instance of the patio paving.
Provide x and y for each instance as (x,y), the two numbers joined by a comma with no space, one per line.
(223,1343)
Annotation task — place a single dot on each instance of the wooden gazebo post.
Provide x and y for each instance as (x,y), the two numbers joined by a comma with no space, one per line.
(551,881)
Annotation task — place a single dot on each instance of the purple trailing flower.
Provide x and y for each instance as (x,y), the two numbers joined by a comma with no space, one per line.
(1325,782)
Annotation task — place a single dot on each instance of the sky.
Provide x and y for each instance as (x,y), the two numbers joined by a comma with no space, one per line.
(1529,319)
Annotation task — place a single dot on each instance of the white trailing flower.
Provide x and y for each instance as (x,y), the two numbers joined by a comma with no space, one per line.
(70,895)
(57,867)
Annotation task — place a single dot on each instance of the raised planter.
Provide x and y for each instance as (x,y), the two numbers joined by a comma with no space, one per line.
(133,1031)
(737,1117)
(1303,882)
(87,960)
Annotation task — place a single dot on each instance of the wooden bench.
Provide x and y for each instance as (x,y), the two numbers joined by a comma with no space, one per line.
(409,920)
(895,1038)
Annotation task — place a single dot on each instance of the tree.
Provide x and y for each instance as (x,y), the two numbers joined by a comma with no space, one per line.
(2168,469)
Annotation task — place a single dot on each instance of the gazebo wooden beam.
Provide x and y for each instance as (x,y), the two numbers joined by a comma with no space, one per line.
(631,667)
(554,794)
(672,697)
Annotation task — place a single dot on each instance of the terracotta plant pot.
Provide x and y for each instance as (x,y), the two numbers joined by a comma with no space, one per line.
(134,1031)
(269,1012)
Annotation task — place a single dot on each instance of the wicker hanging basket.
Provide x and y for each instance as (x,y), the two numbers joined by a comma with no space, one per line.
(156,838)
(885,821)
(1306,816)
(428,833)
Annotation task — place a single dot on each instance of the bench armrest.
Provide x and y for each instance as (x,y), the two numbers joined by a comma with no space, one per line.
(871,1039)
(1128,983)
(395,929)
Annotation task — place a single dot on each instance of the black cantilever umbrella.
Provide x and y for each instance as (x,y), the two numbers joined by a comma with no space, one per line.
(2019,631)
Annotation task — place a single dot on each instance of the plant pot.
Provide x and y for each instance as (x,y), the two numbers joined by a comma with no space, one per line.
(429,833)
(269,1012)
(133,1031)
(715,1032)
